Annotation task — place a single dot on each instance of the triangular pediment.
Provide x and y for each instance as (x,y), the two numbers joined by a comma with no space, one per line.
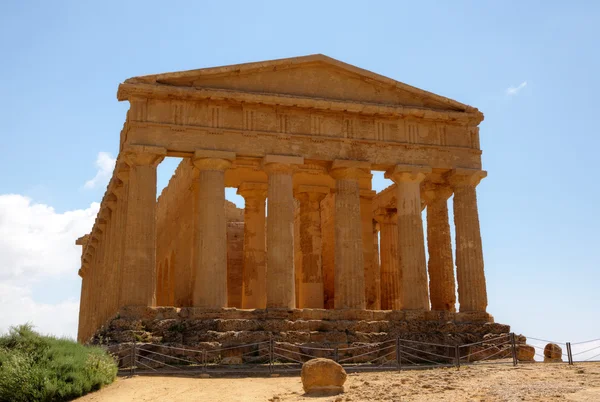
(315,76)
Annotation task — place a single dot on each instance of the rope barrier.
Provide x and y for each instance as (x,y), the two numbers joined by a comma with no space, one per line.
(586,351)
(484,341)
(486,349)
(159,362)
(145,365)
(367,353)
(419,357)
(170,357)
(545,340)
(579,343)
(424,351)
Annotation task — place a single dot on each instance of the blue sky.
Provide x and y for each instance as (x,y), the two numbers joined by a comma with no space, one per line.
(61,63)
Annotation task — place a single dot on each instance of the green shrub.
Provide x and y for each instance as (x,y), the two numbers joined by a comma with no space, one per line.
(43,368)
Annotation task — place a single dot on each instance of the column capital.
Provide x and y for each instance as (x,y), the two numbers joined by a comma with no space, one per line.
(281,163)
(311,193)
(143,155)
(250,190)
(408,173)
(435,192)
(122,173)
(207,159)
(349,169)
(465,177)
(386,215)
(367,194)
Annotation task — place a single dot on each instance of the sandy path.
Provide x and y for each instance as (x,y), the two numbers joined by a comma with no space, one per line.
(536,382)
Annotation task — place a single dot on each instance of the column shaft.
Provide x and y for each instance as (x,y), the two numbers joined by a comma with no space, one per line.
(472,293)
(280,237)
(349,256)
(254,275)
(411,247)
(138,282)
(442,286)
(210,282)
(391,274)
(372,279)
(311,292)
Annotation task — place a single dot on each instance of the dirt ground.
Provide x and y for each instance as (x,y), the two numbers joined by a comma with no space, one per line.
(532,382)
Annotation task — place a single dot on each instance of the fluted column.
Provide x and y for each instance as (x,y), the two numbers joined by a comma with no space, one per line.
(411,247)
(391,275)
(372,290)
(349,257)
(280,230)
(376,259)
(138,282)
(442,286)
(310,290)
(254,274)
(472,293)
(210,249)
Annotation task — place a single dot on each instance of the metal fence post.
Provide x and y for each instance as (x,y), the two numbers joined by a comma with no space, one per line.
(336,355)
(398,358)
(569,353)
(204,361)
(133,359)
(457,355)
(513,348)
(271,354)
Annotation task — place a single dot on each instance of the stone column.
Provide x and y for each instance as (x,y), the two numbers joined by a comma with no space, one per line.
(391,275)
(121,192)
(472,294)
(372,290)
(280,230)
(411,247)
(138,281)
(349,257)
(210,280)
(310,290)
(442,287)
(376,259)
(254,275)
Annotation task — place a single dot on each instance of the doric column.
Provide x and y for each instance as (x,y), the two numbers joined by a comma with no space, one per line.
(442,287)
(310,290)
(411,247)
(472,294)
(391,275)
(210,250)
(138,281)
(372,290)
(121,192)
(376,260)
(254,274)
(280,230)
(349,257)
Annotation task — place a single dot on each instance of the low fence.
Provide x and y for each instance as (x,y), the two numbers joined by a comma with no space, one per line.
(271,357)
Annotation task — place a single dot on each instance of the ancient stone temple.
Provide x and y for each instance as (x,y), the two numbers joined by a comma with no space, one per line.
(298,138)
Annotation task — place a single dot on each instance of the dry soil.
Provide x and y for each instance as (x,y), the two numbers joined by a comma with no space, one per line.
(532,382)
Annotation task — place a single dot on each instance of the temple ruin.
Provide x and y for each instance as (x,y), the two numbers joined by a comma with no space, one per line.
(298,138)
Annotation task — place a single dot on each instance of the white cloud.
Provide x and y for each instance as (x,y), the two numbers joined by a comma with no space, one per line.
(18,307)
(515,90)
(38,243)
(105,164)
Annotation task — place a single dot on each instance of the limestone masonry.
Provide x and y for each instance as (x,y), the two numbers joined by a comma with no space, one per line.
(298,138)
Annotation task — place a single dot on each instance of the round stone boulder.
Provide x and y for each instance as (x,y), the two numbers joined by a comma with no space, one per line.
(323,377)
(552,353)
(525,353)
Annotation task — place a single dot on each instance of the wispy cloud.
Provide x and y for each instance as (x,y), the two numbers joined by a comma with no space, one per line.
(105,164)
(511,91)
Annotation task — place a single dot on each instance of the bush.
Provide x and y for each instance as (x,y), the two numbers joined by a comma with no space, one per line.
(43,368)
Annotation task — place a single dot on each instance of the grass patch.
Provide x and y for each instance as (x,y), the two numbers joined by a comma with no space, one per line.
(34,367)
